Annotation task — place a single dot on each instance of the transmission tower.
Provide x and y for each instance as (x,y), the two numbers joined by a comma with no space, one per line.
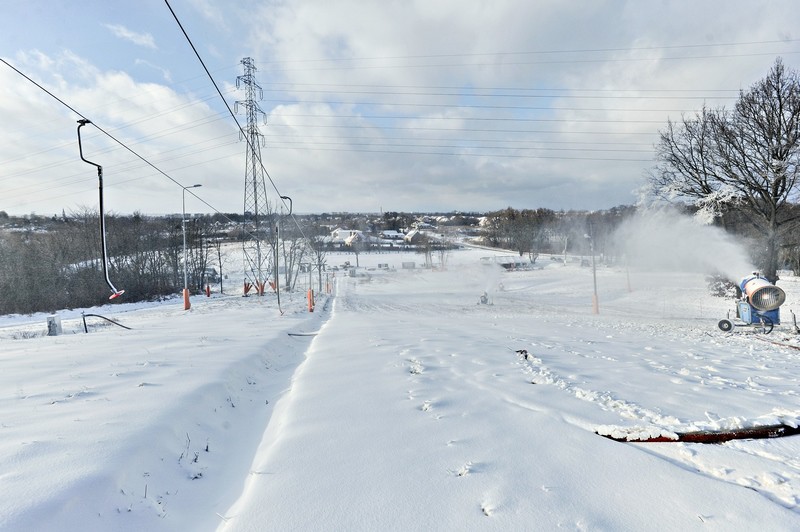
(256,225)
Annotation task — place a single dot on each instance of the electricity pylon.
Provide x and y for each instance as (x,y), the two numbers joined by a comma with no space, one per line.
(256,224)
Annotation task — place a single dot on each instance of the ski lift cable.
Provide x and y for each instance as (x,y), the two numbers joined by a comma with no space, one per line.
(112,137)
(233,115)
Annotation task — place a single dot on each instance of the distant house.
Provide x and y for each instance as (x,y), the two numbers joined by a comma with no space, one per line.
(349,237)
(354,238)
(341,236)
(392,234)
(414,237)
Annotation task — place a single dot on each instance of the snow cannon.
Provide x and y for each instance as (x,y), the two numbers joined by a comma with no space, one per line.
(759,304)
(761,294)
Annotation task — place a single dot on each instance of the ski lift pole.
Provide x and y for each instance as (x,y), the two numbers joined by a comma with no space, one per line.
(277,243)
(115,293)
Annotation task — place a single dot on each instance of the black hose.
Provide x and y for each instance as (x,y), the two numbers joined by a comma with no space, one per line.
(86,329)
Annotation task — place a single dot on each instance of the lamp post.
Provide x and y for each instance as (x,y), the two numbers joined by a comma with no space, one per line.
(186,304)
(277,242)
(595,302)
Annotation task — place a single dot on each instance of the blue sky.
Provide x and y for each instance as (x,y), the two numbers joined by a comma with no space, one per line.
(435,105)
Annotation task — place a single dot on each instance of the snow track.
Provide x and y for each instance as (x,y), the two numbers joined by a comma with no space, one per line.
(452,429)
(774,474)
(409,409)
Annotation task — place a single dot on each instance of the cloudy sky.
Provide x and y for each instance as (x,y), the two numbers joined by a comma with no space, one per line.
(428,105)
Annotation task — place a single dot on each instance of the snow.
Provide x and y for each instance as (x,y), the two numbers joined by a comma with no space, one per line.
(402,403)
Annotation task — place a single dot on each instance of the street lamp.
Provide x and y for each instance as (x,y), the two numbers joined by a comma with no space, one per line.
(277,242)
(595,302)
(186,304)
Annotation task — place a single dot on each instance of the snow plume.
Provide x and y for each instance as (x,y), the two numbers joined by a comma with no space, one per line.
(664,240)
(491,278)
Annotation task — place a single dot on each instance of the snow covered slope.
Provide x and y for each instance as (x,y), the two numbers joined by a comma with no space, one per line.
(414,407)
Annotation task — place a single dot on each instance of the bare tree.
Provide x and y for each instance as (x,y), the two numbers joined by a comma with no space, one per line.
(318,253)
(540,222)
(425,246)
(198,233)
(222,258)
(517,228)
(744,159)
(293,250)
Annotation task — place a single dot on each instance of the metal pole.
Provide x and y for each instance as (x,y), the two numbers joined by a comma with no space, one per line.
(595,302)
(115,293)
(186,304)
(277,243)
(277,272)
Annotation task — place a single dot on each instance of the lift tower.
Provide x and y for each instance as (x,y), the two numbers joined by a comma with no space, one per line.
(256,225)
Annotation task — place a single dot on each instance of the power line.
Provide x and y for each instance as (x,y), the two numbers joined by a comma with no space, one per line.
(478,119)
(552,62)
(465,154)
(540,52)
(452,129)
(112,137)
(464,140)
(209,120)
(536,94)
(472,90)
(476,106)
(465,145)
(281,197)
(214,83)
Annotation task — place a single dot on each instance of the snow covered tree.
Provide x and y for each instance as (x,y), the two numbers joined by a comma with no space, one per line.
(745,159)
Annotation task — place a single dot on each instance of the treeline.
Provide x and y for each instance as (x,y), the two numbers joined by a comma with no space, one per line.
(534,231)
(50,263)
(57,264)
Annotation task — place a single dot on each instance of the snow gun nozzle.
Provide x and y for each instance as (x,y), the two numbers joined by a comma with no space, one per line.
(116,294)
(84,121)
(762,294)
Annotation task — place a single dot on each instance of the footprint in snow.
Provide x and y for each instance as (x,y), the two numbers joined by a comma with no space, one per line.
(463,471)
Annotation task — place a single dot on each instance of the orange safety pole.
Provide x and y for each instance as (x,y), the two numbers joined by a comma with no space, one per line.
(310,300)
(186,304)
(208,290)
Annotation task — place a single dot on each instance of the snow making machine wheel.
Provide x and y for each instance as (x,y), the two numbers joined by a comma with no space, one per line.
(725,325)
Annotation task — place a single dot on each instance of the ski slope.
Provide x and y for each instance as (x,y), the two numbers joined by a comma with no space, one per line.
(402,403)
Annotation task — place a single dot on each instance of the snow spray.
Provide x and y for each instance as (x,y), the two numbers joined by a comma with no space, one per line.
(664,240)
(493,272)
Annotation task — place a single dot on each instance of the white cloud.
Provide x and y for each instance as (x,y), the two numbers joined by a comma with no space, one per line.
(416,105)
(139,39)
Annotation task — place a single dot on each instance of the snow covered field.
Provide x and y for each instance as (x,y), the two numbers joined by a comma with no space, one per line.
(410,409)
